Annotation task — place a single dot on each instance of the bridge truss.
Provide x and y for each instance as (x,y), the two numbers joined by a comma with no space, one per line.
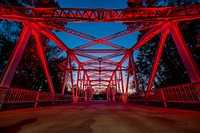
(100,72)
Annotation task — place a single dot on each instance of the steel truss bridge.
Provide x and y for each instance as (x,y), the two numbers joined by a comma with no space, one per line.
(100,73)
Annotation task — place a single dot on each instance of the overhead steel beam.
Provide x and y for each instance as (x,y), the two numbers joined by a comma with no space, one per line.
(99,51)
(96,70)
(99,15)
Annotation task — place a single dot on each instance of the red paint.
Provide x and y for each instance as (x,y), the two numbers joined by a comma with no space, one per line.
(100,72)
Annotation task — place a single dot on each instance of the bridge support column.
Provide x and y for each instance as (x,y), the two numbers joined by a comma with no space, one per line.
(64,78)
(86,96)
(134,73)
(124,98)
(122,82)
(75,99)
(71,75)
(127,81)
(113,94)
(36,99)
(163,98)
(77,86)
(91,94)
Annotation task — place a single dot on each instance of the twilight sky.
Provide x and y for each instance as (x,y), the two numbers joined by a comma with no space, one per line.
(93,28)
(97,29)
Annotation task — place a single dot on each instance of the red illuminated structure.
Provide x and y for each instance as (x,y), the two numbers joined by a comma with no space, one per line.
(103,72)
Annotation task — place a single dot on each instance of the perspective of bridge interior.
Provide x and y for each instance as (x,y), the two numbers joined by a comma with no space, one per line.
(100,66)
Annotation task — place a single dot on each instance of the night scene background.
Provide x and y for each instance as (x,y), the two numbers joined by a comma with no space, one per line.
(30,75)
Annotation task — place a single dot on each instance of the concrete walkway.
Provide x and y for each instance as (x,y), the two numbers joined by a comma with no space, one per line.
(99,117)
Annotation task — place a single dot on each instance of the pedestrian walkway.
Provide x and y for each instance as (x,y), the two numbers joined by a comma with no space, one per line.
(99,117)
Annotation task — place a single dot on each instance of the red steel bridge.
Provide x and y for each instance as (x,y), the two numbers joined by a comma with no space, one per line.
(101,73)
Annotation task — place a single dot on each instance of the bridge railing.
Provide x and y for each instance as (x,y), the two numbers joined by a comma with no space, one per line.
(15,95)
(186,93)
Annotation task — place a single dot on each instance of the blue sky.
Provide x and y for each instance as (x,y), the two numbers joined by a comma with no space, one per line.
(93,3)
(98,30)
(93,28)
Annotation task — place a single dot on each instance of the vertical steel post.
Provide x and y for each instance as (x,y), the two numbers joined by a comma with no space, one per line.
(122,82)
(81,83)
(64,82)
(71,75)
(127,81)
(64,77)
(134,73)
(163,98)
(119,84)
(116,82)
(36,99)
(77,82)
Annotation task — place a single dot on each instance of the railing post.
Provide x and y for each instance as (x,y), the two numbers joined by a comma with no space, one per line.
(36,99)
(53,99)
(196,89)
(146,97)
(163,98)
(3,99)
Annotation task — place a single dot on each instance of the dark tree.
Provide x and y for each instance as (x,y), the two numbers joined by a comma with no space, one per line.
(30,73)
(171,69)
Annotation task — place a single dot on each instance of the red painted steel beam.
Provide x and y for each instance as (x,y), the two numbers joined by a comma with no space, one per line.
(77,81)
(43,58)
(94,40)
(99,51)
(134,73)
(104,58)
(127,81)
(103,70)
(15,57)
(164,33)
(131,29)
(99,15)
(108,62)
(71,74)
(88,56)
(118,66)
(70,31)
(117,35)
(57,41)
(99,41)
(100,80)
(151,33)
(184,52)
(102,75)
(64,78)
(47,32)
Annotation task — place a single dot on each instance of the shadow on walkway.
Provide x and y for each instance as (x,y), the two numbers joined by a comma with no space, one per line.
(15,128)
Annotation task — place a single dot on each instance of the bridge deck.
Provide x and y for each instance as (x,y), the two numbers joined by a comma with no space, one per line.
(99,117)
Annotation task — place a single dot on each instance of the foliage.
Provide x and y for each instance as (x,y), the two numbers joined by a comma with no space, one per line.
(30,73)
(171,70)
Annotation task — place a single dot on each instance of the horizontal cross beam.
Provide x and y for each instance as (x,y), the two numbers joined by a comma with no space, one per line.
(99,15)
(99,51)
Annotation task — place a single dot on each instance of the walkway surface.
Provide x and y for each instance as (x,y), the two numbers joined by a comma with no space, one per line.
(99,117)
